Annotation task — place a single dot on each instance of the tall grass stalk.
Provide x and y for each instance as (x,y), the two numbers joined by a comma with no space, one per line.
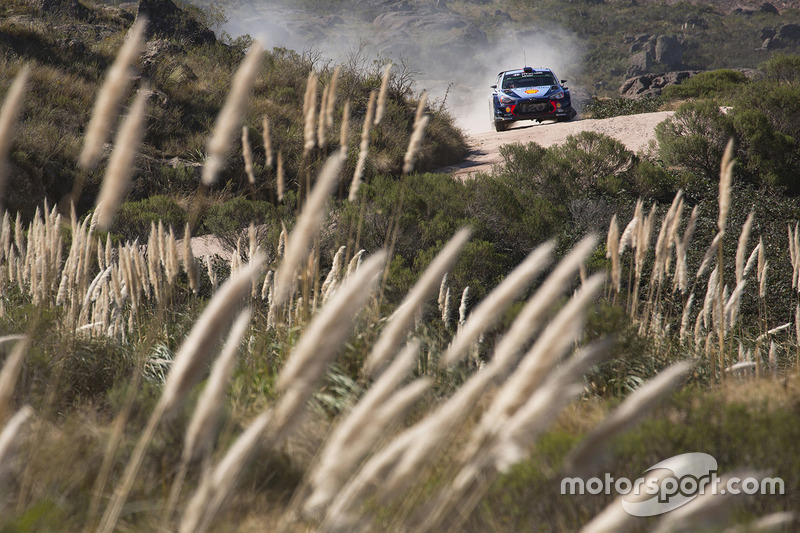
(381,106)
(725,178)
(189,364)
(491,308)
(359,431)
(200,431)
(11,438)
(247,155)
(267,142)
(587,454)
(414,144)
(308,224)
(121,164)
(305,367)
(9,113)
(363,149)
(10,373)
(402,319)
(230,117)
(110,97)
(309,113)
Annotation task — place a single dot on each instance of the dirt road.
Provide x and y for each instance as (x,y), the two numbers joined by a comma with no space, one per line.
(634,131)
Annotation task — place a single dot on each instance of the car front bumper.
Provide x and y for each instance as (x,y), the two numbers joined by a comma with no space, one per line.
(533,109)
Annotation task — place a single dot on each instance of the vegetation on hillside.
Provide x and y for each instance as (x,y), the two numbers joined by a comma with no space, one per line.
(68,57)
(345,395)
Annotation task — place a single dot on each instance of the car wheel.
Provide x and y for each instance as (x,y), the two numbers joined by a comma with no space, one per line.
(500,126)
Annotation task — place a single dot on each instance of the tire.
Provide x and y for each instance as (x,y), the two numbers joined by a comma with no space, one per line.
(572,114)
(500,126)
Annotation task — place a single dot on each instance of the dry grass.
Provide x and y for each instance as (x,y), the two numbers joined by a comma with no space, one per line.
(367,474)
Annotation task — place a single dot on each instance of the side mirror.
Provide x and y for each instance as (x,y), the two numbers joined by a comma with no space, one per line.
(563,82)
(493,86)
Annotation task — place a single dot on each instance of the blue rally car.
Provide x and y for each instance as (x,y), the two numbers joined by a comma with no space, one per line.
(529,94)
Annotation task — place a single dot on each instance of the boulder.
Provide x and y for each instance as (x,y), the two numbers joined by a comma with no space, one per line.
(668,51)
(650,85)
(167,20)
(766,7)
(71,8)
(640,64)
(789,32)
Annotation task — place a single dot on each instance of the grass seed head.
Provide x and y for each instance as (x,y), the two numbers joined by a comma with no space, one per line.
(230,117)
(109,99)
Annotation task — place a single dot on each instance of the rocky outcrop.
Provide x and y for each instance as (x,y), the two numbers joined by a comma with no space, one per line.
(71,8)
(649,85)
(640,64)
(766,7)
(781,36)
(167,20)
(649,50)
(668,51)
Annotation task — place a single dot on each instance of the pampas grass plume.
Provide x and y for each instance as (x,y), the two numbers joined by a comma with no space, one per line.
(414,144)
(201,427)
(267,141)
(109,98)
(309,113)
(121,164)
(353,437)
(230,117)
(632,410)
(725,178)
(308,224)
(612,252)
(491,308)
(363,149)
(188,366)
(217,483)
(403,317)
(10,374)
(741,249)
(189,264)
(381,108)
(11,437)
(247,155)
(322,121)
(12,106)
(345,129)
(331,101)
(279,180)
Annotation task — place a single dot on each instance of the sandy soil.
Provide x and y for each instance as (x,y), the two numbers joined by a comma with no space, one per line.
(634,131)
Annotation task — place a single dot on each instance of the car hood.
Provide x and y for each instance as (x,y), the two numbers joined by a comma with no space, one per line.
(530,92)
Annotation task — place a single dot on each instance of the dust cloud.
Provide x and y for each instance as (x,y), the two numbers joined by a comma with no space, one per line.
(450,56)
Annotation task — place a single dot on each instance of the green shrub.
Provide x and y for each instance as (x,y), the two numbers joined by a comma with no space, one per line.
(783,68)
(715,84)
(614,107)
(133,219)
(695,137)
(229,221)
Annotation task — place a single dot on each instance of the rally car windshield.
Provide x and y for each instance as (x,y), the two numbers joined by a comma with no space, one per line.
(537,79)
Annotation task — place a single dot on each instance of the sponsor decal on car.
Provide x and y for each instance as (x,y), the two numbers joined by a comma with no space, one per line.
(532,91)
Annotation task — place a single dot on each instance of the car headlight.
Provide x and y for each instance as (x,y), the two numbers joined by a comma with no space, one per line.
(504,99)
(557,95)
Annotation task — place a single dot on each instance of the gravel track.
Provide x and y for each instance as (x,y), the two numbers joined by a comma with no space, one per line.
(634,131)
